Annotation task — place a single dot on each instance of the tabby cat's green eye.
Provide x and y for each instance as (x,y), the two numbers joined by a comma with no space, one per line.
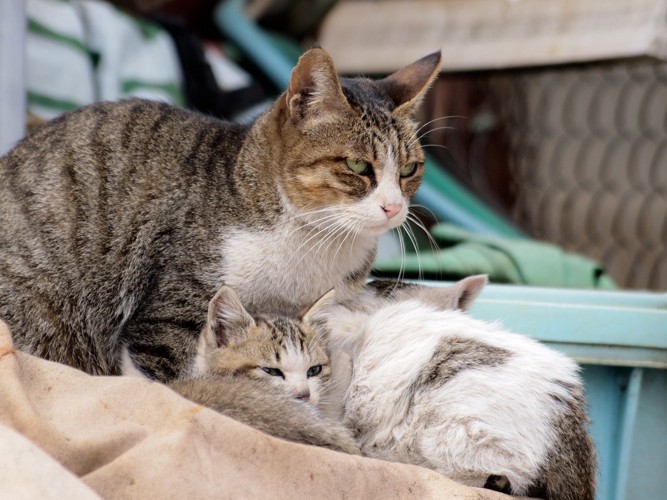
(359,167)
(314,370)
(274,372)
(408,169)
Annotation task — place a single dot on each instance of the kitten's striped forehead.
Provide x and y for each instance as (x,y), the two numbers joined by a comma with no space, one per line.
(286,331)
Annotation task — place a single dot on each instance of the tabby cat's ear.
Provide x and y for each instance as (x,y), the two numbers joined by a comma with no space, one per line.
(408,86)
(314,94)
(227,320)
(315,314)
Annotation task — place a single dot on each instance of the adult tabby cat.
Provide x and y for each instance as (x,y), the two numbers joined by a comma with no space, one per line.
(431,386)
(269,372)
(119,221)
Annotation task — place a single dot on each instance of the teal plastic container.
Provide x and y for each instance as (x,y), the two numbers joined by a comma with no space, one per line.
(620,340)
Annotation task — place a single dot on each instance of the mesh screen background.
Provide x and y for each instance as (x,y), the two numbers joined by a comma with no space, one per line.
(574,155)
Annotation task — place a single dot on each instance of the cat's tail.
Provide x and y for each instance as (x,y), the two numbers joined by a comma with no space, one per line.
(571,467)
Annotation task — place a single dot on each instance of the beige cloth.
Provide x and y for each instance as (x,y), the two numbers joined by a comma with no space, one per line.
(66,434)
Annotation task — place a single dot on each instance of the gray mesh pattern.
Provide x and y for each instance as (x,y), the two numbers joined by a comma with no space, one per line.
(588,158)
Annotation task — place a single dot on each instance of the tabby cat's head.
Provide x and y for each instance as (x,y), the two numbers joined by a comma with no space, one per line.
(351,157)
(290,352)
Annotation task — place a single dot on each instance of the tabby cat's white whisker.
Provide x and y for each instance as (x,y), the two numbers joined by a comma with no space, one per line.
(338,226)
(341,225)
(313,212)
(352,232)
(432,121)
(413,240)
(415,220)
(318,230)
(434,129)
(434,146)
(426,209)
(401,268)
(314,224)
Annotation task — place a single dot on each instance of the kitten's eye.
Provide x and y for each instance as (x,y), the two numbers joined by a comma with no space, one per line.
(359,167)
(314,370)
(274,372)
(408,169)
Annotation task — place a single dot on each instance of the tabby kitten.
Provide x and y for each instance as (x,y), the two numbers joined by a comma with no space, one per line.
(431,386)
(267,372)
(119,221)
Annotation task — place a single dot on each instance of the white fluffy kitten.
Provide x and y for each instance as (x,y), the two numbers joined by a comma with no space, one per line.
(431,386)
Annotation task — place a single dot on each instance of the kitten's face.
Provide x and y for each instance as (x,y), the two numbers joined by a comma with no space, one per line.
(289,352)
(283,350)
(351,159)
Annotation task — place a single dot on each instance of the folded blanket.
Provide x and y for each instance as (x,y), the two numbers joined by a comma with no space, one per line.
(461,253)
(66,434)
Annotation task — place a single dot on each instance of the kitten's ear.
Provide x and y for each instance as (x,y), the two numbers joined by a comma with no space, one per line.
(315,314)
(408,86)
(314,94)
(467,290)
(227,319)
(458,296)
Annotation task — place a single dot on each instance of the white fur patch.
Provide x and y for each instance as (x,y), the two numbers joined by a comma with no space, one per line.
(294,265)
(490,419)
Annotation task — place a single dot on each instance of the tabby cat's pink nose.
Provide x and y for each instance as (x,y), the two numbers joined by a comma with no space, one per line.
(392,209)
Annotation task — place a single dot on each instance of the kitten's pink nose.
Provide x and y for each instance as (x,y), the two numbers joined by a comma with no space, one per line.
(304,394)
(392,209)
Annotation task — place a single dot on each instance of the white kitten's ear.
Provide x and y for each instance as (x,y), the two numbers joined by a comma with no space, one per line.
(458,296)
(314,94)
(408,86)
(467,290)
(316,313)
(227,320)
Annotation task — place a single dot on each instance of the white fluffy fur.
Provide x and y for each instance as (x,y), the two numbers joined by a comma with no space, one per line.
(488,420)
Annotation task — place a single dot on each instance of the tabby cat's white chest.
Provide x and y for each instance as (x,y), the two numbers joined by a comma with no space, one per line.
(290,267)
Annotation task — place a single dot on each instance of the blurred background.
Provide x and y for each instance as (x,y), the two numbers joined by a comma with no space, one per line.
(546,132)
